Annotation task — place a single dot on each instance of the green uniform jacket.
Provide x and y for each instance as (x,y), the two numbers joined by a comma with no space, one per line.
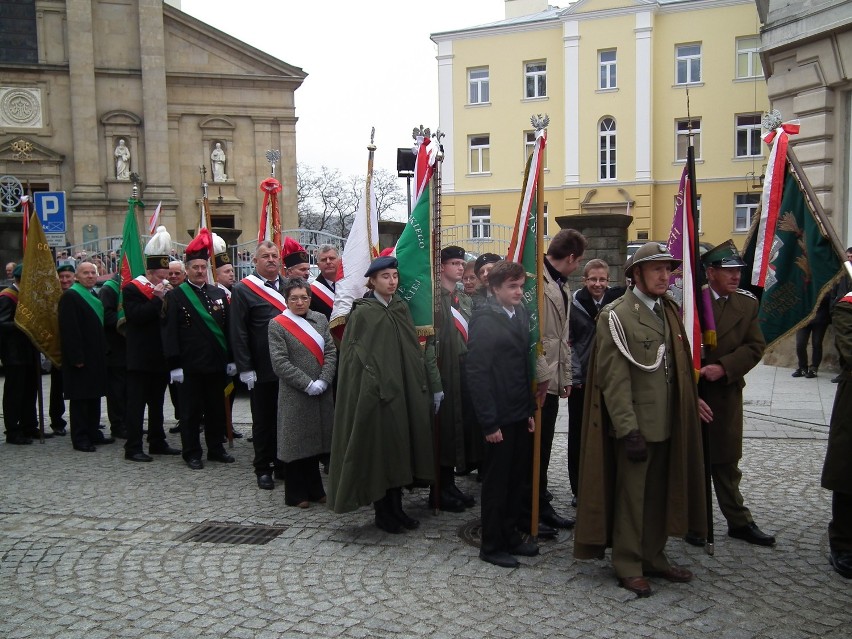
(382,434)
(739,347)
(686,508)
(837,470)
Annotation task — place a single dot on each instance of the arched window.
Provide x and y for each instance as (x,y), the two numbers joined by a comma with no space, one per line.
(606,157)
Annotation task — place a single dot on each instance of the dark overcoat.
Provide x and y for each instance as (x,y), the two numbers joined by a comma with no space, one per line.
(83,343)
(837,470)
(115,340)
(142,330)
(248,331)
(739,347)
(188,343)
(383,419)
(16,349)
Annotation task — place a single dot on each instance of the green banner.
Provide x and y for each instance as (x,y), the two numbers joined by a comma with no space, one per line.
(414,252)
(529,259)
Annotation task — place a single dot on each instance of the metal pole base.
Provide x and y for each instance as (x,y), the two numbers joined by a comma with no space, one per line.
(708,548)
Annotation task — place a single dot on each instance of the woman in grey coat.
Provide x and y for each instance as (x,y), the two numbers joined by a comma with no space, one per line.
(304,358)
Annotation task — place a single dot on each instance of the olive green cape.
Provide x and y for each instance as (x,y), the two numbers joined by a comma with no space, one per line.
(382,434)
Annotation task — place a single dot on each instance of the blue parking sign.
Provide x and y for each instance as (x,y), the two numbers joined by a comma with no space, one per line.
(50,206)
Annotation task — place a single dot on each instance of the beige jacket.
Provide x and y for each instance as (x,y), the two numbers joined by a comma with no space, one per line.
(554,337)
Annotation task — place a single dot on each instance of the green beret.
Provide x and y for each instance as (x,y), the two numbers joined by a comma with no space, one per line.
(16,272)
(62,268)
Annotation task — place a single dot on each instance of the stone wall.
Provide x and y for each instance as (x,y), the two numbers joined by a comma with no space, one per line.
(606,234)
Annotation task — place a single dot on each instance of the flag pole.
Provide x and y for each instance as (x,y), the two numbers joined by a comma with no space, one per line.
(539,124)
(368,186)
(436,299)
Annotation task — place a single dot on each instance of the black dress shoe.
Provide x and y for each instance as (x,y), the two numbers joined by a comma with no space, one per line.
(195,463)
(524,549)
(695,539)
(548,496)
(841,561)
(85,448)
(466,500)
(799,372)
(447,503)
(59,431)
(812,372)
(105,440)
(387,522)
(175,429)
(18,440)
(138,457)
(237,434)
(752,534)
(500,558)
(544,531)
(163,450)
(264,482)
(221,456)
(574,501)
(557,521)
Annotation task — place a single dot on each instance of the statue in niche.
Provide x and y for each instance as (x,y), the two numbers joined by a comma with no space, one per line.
(122,161)
(217,160)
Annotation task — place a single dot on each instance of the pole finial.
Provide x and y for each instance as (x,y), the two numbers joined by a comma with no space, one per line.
(273,156)
(372,146)
(136,180)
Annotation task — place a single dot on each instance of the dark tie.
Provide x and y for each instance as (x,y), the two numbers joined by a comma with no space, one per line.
(271,284)
(721,302)
(659,311)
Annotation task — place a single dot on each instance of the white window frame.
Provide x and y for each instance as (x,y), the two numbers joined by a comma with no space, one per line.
(481,85)
(751,132)
(529,142)
(481,152)
(751,51)
(684,59)
(480,222)
(683,134)
(607,70)
(538,78)
(746,208)
(607,144)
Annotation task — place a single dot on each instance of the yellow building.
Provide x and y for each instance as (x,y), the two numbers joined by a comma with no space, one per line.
(614,76)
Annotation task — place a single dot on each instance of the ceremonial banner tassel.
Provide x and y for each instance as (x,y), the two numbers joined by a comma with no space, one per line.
(527,248)
(414,248)
(25,210)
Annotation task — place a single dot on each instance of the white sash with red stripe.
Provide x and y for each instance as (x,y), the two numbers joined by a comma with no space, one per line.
(847,297)
(302,330)
(323,292)
(266,292)
(224,288)
(460,322)
(144,285)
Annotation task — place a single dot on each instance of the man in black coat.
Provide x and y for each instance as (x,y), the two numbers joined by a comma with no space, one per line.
(84,366)
(65,272)
(255,300)
(322,288)
(147,369)
(20,359)
(195,325)
(116,357)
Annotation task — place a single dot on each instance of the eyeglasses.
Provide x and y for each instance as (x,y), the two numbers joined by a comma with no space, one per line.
(299,298)
(597,280)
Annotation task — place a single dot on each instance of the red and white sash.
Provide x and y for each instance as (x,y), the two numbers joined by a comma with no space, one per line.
(303,331)
(460,322)
(266,292)
(323,292)
(224,288)
(144,285)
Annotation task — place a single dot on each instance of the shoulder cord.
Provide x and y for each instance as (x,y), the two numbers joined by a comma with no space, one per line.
(617,331)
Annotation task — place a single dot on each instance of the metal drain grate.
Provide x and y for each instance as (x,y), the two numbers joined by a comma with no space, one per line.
(231,534)
(471,533)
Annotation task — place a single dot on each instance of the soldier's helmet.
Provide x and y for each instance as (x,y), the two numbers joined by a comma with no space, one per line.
(650,252)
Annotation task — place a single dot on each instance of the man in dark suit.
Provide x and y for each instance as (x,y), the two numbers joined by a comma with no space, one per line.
(84,365)
(255,300)
(147,369)
(65,272)
(739,347)
(322,288)
(195,326)
(116,356)
(20,359)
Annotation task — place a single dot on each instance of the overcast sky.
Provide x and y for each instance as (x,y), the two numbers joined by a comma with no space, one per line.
(369,63)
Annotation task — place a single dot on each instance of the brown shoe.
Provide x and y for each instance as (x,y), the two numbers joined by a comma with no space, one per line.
(638,585)
(675,574)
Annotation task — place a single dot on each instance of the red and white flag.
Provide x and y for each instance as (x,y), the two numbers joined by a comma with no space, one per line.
(152,225)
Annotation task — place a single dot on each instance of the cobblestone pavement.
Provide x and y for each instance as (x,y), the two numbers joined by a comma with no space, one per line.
(88,548)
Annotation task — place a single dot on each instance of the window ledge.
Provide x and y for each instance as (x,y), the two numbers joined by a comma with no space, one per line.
(475,105)
(475,175)
(735,232)
(542,98)
(690,85)
(682,162)
(753,78)
(610,90)
(747,158)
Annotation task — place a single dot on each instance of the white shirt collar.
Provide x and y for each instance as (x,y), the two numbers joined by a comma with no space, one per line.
(646,299)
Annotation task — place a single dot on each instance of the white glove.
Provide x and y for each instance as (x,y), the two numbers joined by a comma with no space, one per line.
(231,369)
(176,376)
(248,378)
(312,389)
(45,364)
(322,385)
(436,400)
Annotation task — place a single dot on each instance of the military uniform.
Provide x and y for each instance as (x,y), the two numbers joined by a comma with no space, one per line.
(116,357)
(20,385)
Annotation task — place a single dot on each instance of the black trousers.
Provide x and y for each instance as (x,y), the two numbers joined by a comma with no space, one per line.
(549,412)
(116,399)
(302,481)
(840,526)
(174,393)
(816,333)
(264,428)
(85,419)
(575,428)
(20,389)
(145,388)
(505,473)
(57,400)
(202,397)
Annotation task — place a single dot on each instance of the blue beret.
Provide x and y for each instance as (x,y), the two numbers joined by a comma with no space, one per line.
(380,264)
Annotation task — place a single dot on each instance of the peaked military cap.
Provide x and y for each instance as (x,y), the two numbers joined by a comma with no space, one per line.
(725,255)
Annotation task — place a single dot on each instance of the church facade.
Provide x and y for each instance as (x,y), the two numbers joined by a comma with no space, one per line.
(96,92)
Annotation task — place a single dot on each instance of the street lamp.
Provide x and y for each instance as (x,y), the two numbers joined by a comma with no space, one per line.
(405,168)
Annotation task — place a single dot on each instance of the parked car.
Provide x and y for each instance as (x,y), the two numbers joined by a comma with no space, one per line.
(633,246)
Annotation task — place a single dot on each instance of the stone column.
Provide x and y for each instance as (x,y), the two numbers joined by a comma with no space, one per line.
(88,185)
(157,175)
(607,240)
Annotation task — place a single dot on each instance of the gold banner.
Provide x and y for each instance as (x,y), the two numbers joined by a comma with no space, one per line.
(38,295)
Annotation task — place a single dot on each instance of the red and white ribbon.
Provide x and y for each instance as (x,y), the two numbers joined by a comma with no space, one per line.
(302,330)
(460,322)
